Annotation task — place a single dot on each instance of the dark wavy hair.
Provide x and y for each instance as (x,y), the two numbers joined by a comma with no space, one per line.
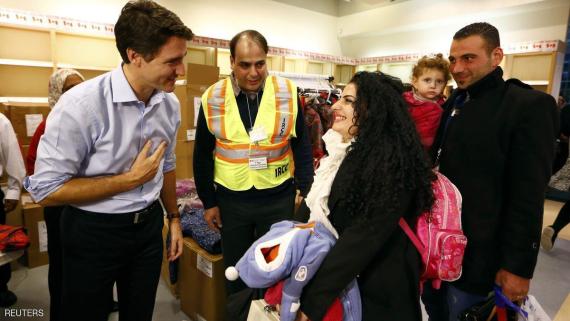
(145,26)
(387,157)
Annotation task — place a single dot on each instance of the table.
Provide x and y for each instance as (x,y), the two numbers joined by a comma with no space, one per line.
(7,257)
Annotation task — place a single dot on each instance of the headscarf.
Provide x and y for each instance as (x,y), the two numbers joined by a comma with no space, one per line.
(56,82)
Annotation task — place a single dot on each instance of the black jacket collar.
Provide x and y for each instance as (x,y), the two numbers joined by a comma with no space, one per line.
(492,81)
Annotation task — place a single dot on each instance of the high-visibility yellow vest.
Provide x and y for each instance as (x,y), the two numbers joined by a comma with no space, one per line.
(277,113)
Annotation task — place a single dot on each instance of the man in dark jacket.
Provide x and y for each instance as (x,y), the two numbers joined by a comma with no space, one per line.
(496,143)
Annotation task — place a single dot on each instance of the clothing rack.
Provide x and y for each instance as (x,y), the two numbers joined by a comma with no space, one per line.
(310,83)
(332,91)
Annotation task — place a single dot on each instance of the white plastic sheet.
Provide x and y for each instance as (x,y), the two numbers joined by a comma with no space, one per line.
(534,310)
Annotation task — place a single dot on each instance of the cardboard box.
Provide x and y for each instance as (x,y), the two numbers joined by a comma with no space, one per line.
(33,216)
(164,271)
(198,74)
(180,92)
(184,157)
(25,118)
(194,100)
(199,78)
(201,282)
(5,110)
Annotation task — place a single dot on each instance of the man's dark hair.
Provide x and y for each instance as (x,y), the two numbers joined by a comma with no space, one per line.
(485,30)
(253,35)
(145,26)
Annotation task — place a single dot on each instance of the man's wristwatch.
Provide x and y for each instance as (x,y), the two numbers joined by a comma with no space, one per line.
(173,215)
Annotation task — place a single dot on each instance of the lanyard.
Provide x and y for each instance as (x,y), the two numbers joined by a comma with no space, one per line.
(248,110)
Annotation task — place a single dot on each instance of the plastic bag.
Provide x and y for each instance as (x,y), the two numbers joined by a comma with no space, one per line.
(534,310)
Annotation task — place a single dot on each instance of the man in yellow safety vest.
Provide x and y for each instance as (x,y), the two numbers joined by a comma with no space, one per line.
(252,150)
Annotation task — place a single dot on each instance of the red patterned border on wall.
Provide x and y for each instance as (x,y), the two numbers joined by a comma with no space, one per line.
(30,19)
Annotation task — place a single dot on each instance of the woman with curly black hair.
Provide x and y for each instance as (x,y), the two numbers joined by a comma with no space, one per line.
(376,173)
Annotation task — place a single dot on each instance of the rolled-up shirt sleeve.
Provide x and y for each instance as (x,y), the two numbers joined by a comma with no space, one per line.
(70,131)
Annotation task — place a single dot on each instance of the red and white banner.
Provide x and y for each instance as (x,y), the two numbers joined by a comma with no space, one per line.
(29,19)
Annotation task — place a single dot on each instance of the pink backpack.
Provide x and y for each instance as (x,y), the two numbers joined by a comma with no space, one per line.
(438,236)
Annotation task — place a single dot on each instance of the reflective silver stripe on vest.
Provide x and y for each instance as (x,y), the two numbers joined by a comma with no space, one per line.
(216,110)
(241,155)
(284,103)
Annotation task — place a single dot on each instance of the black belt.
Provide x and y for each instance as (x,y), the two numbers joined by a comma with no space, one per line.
(135,217)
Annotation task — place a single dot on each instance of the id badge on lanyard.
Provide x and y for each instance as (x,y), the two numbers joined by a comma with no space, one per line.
(257,158)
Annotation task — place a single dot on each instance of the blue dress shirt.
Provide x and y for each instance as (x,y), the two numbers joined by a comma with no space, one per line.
(97,129)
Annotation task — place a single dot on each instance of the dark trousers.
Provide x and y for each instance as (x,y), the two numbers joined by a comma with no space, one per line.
(561,156)
(52,215)
(563,218)
(447,303)
(101,249)
(244,221)
(5,270)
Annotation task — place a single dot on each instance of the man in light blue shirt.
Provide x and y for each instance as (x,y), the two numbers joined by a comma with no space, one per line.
(108,154)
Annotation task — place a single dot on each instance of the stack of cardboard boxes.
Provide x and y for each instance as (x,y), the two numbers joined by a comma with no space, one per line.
(201,281)
(198,79)
(25,117)
(200,284)
(33,216)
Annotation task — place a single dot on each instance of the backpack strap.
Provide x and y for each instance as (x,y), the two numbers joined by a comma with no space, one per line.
(417,243)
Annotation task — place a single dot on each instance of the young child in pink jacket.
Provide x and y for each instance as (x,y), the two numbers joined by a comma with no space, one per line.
(429,78)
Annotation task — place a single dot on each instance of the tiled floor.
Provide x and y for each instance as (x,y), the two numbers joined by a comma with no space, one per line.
(564,312)
(551,209)
(551,284)
(30,285)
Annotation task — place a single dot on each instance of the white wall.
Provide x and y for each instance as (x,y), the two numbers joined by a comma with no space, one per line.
(412,26)
(283,25)
(428,26)
(103,11)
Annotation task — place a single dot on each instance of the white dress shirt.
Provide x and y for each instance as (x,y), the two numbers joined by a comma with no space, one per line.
(11,159)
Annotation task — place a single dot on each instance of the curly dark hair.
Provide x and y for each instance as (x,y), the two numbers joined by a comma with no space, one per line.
(436,62)
(387,156)
(145,26)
